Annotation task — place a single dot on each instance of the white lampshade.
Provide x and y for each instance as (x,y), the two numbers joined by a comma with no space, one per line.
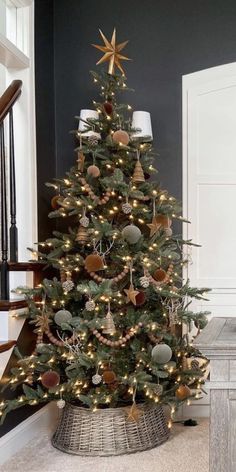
(142,120)
(85,115)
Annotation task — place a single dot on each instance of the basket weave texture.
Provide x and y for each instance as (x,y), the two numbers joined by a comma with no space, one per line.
(109,432)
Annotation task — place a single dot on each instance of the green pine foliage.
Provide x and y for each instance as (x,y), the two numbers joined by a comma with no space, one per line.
(164,314)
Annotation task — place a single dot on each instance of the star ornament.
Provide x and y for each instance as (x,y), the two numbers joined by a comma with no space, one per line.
(131,294)
(154,226)
(111,52)
(134,413)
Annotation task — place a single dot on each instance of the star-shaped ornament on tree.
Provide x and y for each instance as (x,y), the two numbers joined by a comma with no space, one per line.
(134,413)
(154,226)
(111,52)
(131,294)
(42,322)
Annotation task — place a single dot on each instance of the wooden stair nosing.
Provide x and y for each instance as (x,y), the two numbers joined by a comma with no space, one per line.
(25,266)
(6,305)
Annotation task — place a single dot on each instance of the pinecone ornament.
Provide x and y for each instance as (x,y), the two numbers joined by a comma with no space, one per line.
(158,390)
(90,305)
(195,364)
(144,281)
(126,208)
(84,221)
(93,140)
(68,285)
(96,379)
(61,404)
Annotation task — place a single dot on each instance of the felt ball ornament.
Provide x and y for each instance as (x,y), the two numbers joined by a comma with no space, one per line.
(140,298)
(109,376)
(50,379)
(131,234)
(108,107)
(93,171)
(121,136)
(93,263)
(54,202)
(182,392)
(62,316)
(163,220)
(161,353)
(159,275)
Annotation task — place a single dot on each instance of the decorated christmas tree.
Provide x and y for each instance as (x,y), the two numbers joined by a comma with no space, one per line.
(113,324)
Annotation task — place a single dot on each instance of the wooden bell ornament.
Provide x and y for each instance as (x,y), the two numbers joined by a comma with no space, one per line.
(138,175)
(109,327)
(82,235)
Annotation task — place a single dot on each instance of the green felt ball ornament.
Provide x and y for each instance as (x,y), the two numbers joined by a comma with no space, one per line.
(131,234)
(62,316)
(161,353)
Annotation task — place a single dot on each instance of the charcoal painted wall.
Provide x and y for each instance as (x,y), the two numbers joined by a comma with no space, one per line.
(168,38)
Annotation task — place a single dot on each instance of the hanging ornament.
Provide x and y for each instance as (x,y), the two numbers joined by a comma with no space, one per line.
(81,156)
(82,235)
(134,413)
(68,284)
(183,392)
(168,232)
(158,390)
(61,404)
(92,140)
(93,171)
(62,316)
(50,379)
(109,325)
(54,202)
(90,305)
(126,207)
(93,263)
(161,353)
(131,293)
(138,175)
(154,226)
(140,298)
(144,281)
(131,234)
(160,275)
(121,136)
(84,220)
(109,376)
(96,379)
(108,107)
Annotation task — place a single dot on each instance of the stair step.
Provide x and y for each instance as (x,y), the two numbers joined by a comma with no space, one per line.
(25,266)
(6,305)
(6,345)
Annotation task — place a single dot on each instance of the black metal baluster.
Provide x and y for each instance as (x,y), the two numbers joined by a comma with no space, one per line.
(13,227)
(4,228)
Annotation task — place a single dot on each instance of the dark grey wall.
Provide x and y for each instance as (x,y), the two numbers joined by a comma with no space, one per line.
(168,38)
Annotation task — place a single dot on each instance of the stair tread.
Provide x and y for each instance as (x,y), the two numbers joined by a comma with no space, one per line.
(12,304)
(25,266)
(6,345)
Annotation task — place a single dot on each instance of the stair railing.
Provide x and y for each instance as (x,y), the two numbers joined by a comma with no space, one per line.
(9,237)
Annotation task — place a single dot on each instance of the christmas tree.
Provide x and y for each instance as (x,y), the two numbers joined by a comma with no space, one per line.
(113,325)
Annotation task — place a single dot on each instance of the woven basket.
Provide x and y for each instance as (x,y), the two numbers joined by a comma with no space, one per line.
(108,432)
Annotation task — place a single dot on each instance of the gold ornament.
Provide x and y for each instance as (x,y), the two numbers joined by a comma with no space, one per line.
(82,235)
(138,175)
(134,413)
(131,294)
(111,52)
(42,322)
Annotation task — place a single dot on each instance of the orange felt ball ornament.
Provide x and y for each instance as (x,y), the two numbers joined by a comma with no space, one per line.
(183,392)
(163,220)
(109,376)
(140,298)
(159,275)
(93,171)
(54,202)
(121,136)
(93,263)
(50,379)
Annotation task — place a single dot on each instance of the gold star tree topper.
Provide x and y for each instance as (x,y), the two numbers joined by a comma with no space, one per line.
(112,53)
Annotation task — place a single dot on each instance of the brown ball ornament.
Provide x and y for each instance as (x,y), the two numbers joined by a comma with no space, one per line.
(182,392)
(159,275)
(121,136)
(109,376)
(54,202)
(93,263)
(163,220)
(140,298)
(50,379)
(93,171)
(108,107)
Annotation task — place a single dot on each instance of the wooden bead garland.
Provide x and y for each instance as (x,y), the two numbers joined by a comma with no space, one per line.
(118,277)
(56,341)
(100,201)
(119,342)
(165,281)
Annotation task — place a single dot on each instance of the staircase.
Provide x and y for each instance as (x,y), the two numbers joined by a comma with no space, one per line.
(12,272)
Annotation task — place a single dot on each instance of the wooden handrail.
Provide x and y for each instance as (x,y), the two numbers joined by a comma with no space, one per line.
(9,97)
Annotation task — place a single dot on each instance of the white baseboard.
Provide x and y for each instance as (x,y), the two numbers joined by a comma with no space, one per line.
(40,422)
